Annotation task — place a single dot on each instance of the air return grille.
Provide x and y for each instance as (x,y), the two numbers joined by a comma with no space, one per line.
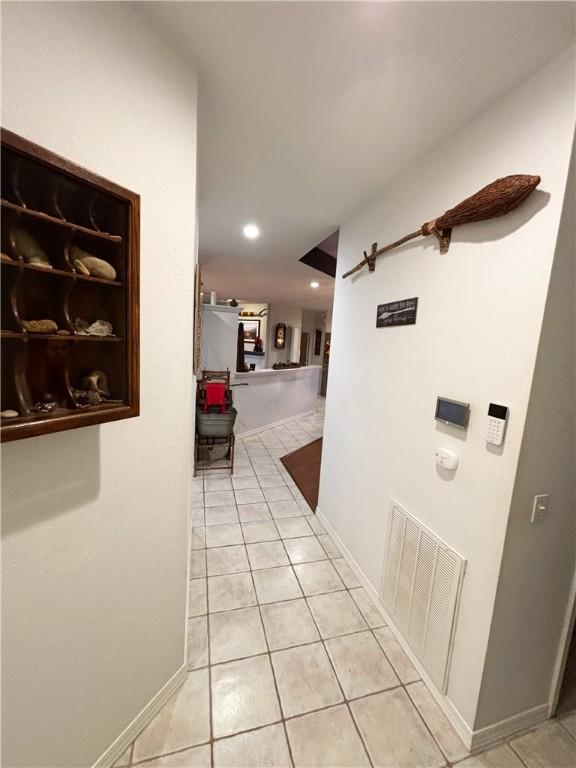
(421,589)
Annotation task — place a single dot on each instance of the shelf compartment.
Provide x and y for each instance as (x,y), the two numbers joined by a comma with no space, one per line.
(62,205)
(86,358)
(8,307)
(93,302)
(66,273)
(50,240)
(28,213)
(41,298)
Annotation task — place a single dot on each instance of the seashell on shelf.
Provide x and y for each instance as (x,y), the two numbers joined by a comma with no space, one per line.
(96,267)
(30,250)
(40,326)
(9,414)
(80,267)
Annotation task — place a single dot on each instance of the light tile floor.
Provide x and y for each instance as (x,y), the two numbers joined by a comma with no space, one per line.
(290,663)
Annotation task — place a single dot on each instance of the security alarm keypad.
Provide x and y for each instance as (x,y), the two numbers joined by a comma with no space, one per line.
(497,418)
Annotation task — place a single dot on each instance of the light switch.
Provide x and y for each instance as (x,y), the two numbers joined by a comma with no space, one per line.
(540,507)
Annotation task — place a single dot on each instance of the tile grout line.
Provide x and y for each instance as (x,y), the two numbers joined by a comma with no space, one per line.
(269,654)
(423,719)
(562,717)
(211,719)
(336,677)
(149,759)
(515,752)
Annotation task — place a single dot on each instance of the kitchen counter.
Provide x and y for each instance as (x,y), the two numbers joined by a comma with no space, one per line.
(274,372)
(268,396)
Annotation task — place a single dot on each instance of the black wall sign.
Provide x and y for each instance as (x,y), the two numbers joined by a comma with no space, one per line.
(397,313)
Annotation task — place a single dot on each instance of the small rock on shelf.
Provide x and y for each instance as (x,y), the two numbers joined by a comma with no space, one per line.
(9,414)
(97,328)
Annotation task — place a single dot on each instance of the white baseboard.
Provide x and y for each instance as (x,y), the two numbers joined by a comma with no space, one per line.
(460,726)
(531,717)
(473,739)
(256,430)
(118,747)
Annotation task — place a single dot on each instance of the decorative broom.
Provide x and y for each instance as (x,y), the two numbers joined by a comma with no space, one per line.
(498,198)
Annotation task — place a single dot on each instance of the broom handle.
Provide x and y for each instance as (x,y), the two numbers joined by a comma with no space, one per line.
(364,261)
(495,199)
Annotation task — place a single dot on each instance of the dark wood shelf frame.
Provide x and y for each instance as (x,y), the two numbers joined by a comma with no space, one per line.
(21,209)
(62,204)
(69,274)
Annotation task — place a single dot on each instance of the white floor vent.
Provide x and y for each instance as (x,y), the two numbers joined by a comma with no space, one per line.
(421,588)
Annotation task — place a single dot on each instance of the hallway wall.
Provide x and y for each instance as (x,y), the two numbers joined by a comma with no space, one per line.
(539,559)
(479,317)
(95,519)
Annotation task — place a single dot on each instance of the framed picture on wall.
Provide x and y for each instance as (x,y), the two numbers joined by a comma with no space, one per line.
(251,332)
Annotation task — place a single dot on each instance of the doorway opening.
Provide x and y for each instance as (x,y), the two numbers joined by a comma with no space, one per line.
(304,343)
(325,363)
(567,697)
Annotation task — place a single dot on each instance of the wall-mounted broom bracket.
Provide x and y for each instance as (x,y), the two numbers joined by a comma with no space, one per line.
(372,258)
(442,235)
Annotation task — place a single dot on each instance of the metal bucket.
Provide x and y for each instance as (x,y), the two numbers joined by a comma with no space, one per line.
(215,424)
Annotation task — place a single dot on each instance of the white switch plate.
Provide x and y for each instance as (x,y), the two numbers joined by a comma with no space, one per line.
(540,507)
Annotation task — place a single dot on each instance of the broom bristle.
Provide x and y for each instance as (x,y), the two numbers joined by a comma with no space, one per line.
(496,199)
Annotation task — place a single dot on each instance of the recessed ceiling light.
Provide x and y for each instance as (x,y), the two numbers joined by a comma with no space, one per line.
(251,231)
(314,284)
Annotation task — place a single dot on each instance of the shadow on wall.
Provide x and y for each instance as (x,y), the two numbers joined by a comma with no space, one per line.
(47,476)
(480,232)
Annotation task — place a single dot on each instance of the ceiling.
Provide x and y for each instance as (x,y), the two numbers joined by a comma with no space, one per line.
(307,109)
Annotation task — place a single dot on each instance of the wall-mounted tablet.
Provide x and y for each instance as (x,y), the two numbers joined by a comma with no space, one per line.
(452,412)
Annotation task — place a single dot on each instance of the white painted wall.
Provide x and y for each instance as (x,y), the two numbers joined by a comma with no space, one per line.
(292,317)
(479,318)
(539,559)
(219,346)
(95,520)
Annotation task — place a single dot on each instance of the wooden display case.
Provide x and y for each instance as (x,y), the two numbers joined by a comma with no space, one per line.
(55,216)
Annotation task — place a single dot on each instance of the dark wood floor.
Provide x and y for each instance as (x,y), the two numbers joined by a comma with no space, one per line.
(303,466)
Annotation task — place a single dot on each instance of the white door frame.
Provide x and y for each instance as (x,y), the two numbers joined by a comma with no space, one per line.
(563,648)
